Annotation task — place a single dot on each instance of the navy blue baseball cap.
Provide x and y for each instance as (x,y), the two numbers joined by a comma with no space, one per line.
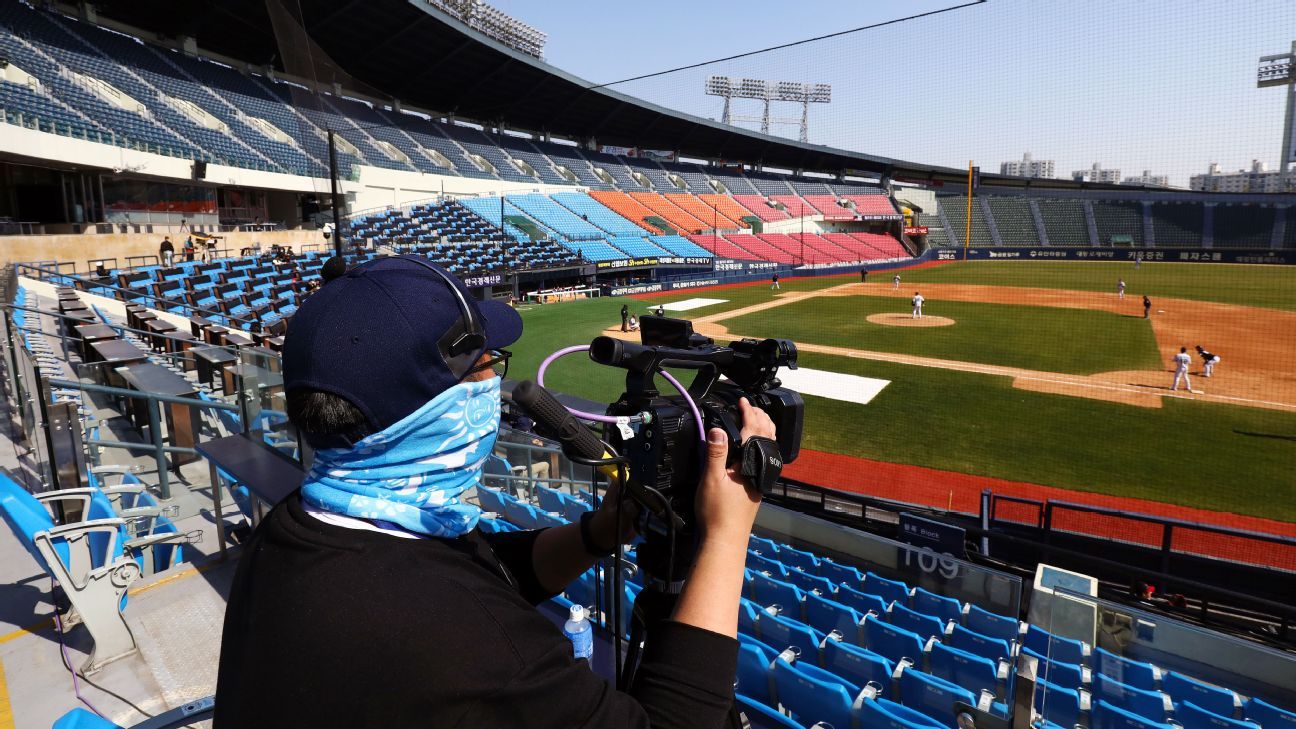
(371,337)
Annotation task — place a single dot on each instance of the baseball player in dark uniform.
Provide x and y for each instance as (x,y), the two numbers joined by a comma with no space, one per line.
(1147,307)
(625,317)
(1209,361)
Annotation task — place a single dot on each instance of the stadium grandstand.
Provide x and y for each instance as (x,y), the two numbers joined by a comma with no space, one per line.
(994,514)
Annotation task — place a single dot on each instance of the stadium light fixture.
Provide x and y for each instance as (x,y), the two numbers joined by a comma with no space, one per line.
(805,94)
(1280,70)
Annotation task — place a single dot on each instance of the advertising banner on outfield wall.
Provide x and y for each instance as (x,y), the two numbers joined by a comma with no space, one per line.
(1165,255)
(654,262)
(733,266)
(652,288)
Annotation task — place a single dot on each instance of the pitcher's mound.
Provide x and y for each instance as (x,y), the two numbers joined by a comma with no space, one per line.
(907,320)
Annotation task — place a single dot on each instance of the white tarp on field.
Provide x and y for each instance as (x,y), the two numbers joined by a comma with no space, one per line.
(832,385)
(688,304)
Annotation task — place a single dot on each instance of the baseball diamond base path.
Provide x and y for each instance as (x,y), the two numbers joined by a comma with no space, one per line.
(962,493)
(1257,347)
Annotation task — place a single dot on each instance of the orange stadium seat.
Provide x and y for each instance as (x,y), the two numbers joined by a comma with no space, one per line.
(760,208)
(712,215)
(627,207)
(671,213)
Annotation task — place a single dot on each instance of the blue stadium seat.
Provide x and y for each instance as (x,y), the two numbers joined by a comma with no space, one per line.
(754,659)
(889,590)
(932,695)
(840,574)
(1131,673)
(767,717)
(1055,647)
(861,601)
(747,614)
(767,591)
(1058,705)
(813,694)
(860,666)
(945,608)
(915,622)
(1152,705)
(495,525)
(583,590)
(520,513)
(780,633)
(1060,673)
(891,641)
(886,714)
(758,562)
(990,624)
(972,672)
(1268,716)
(799,559)
(1211,698)
(1106,716)
(767,547)
(809,582)
(1192,716)
(827,615)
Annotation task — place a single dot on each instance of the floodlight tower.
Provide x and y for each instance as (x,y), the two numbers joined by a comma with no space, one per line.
(1280,70)
(805,94)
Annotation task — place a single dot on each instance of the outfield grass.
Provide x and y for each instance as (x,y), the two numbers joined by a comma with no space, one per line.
(1272,287)
(1049,339)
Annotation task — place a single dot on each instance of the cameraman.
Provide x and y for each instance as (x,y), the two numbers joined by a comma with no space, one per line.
(369,597)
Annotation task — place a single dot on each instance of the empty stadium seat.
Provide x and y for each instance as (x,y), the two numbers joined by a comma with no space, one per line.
(1191,716)
(891,641)
(1267,715)
(767,547)
(978,644)
(915,622)
(939,606)
(932,695)
(839,573)
(813,694)
(767,591)
(760,563)
(886,714)
(780,633)
(809,582)
(827,615)
(889,590)
(799,559)
(970,671)
(1059,706)
(754,659)
(748,612)
(1215,699)
(1152,705)
(1131,673)
(765,715)
(860,666)
(991,624)
(861,601)
(1055,647)
(1106,716)
(1061,673)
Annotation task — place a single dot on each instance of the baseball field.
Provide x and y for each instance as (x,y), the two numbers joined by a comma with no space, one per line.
(1031,375)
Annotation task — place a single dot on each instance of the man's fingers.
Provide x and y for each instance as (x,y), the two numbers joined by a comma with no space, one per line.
(717,448)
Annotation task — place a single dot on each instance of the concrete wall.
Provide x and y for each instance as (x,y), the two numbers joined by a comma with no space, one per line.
(91,247)
(379,187)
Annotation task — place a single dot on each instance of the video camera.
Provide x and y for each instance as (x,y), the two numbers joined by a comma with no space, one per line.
(660,435)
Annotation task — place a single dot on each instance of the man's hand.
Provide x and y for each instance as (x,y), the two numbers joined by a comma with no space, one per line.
(726,504)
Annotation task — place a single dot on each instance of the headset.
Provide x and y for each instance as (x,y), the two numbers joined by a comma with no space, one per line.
(465,342)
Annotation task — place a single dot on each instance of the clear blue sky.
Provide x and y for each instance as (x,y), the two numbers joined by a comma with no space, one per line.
(1133,84)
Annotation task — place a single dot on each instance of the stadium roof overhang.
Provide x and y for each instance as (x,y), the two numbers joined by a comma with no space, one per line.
(409,50)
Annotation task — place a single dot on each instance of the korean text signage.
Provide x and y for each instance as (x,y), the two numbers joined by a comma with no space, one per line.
(1265,256)
(652,262)
(493,279)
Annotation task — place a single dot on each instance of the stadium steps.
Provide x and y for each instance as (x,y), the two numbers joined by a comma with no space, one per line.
(984,203)
(1038,219)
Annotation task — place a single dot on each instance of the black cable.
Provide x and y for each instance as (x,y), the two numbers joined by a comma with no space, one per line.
(788,45)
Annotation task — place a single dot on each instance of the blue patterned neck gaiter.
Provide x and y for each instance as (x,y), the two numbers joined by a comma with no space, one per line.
(412,473)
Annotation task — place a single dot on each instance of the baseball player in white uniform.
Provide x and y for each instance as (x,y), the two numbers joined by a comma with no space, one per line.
(1209,360)
(895,282)
(1181,362)
(1120,289)
(917,305)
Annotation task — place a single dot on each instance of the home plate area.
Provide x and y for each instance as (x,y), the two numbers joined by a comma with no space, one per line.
(832,385)
(689,304)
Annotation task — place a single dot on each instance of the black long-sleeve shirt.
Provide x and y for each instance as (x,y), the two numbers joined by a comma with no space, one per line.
(334,627)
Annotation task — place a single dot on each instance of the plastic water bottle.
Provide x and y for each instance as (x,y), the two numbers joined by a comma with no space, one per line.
(580,633)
